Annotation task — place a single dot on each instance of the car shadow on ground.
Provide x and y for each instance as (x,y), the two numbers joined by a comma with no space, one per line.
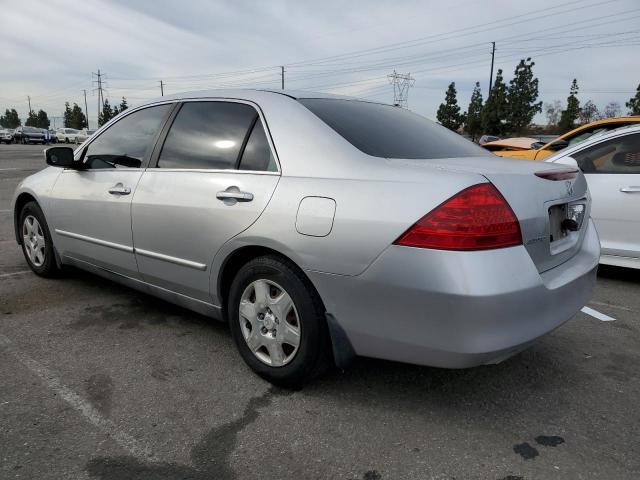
(516,390)
(630,275)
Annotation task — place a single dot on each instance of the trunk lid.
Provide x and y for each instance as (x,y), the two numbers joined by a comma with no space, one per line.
(542,205)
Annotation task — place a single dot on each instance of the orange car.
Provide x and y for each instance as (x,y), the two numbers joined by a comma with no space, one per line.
(517,147)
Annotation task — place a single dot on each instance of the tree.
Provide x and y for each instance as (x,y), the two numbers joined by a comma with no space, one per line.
(32,119)
(123,105)
(449,112)
(67,115)
(495,111)
(42,119)
(10,119)
(78,118)
(106,114)
(570,115)
(521,97)
(588,113)
(634,103)
(552,111)
(473,121)
(612,109)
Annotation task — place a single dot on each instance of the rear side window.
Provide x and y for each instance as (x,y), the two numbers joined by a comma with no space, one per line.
(257,153)
(618,155)
(390,132)
(128,142)
(207,135)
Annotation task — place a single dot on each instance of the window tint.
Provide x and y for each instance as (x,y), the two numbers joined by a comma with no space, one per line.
(391,132)
(618,155)
(257,153)
(207,135)
(129,141)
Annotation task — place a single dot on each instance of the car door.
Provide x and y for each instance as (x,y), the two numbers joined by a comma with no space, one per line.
(612,169)
(198,194)
(91,207)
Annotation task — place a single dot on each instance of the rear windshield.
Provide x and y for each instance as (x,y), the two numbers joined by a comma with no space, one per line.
(390,132)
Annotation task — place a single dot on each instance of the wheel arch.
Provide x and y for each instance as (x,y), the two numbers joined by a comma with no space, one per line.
(21,201)
(341,348)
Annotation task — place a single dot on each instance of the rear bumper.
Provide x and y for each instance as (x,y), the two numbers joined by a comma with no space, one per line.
(457,309)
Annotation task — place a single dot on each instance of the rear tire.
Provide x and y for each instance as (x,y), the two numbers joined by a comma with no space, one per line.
(37,245)
(272,355)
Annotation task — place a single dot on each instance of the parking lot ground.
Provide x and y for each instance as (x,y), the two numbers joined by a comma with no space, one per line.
(100,382)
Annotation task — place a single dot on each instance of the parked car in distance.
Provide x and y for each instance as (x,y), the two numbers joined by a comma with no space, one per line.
(319,227)
(53,136)
(487,138)
(83,135)
(27,135)
(66,135)
(542,151)
(611,164)
(6,135)
(513,144)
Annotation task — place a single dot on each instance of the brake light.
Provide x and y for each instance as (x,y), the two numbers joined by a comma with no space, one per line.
(477,218)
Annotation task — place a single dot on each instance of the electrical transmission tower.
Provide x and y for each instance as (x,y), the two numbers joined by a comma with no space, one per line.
(401,83)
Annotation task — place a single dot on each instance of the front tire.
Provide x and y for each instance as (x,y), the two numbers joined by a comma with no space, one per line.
(37,244)
(277,322)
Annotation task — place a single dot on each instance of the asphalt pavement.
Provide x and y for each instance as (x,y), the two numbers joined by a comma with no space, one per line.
(101,382)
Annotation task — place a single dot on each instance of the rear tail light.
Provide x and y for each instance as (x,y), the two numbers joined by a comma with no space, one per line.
(477,218)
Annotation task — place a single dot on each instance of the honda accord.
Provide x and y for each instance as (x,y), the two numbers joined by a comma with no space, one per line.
(320,227)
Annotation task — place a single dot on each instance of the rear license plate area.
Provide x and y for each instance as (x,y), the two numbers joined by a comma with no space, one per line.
(564,219)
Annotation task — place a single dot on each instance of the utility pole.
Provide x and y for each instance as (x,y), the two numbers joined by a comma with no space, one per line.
(282,76)
(100,94)
(493,55)
(29,100)
(161,89)
(401,83)
(86,110)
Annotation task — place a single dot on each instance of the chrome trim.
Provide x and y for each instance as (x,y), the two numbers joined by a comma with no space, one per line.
(103,243)
(213,170)
(168,258)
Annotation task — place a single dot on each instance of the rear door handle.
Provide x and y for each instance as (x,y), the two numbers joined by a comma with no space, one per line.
(119,189)
(235,194)
(630,190)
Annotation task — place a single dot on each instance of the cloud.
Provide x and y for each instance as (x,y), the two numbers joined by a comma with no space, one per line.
(48,51)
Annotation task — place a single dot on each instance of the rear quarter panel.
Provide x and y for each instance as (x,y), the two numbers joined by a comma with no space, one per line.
(369,216)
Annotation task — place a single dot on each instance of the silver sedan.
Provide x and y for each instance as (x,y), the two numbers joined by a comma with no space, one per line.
(320,228)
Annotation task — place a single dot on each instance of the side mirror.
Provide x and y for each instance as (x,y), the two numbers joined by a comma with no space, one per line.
(569,161)
(558,145)
(59,157)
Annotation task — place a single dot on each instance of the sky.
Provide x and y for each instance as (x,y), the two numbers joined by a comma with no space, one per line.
(50,50)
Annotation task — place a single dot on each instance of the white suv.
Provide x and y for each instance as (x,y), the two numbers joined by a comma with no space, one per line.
(66,135)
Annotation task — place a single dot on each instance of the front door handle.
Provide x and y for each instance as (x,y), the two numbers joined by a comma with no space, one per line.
(630,190)
(233,195)
(119,189)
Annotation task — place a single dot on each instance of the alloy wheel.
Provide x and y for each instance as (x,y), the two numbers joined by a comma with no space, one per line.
(269,322)
(33,240)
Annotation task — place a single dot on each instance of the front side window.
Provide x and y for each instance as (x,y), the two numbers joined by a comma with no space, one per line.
(207,135)
(128,142)
(390,132)
(618,155)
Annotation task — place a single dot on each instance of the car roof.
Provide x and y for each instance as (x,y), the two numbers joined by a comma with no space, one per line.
(251,94)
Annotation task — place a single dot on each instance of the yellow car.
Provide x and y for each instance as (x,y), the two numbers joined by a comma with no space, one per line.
(517,147)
